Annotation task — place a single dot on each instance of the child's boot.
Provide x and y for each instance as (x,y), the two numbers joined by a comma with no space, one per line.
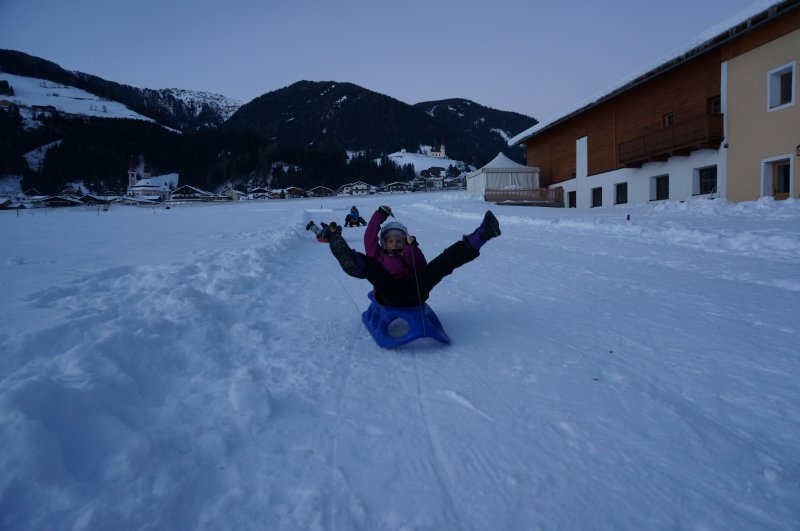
(489,228)
(347,257)
(310,224)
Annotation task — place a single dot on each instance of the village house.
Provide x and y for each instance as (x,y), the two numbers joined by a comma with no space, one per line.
(234,194)
(718,119)
(191,193)
(43,111)
(57,201)
(434,183)
(397,186)
(135,201)
(321,191)
(261,193)
(93,199)
(456,183)
(356,188)
(293,192)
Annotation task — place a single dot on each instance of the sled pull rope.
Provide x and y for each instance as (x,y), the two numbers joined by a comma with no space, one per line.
(416,281)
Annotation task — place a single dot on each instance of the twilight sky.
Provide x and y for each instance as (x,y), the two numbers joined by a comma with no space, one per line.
(527,56)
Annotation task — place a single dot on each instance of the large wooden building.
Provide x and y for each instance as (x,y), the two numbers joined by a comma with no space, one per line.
(719,119)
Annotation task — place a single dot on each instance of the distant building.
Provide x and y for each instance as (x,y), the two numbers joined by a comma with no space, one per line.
(152,188)
(438,154)
(234,194)
(190,193)
(294,192)
(261,193)
(398,187)
(356,188)
(43,111)
(321,191)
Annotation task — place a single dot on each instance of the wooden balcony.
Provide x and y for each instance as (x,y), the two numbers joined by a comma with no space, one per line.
(528,196)
(680,139)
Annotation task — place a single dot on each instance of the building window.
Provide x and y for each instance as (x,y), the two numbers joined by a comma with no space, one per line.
(597,197)
(780,90)
(714,105)
(659,188)
(620,193)
(669,119)
(705,181)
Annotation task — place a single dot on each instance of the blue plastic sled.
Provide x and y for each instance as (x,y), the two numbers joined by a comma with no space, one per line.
(391,326)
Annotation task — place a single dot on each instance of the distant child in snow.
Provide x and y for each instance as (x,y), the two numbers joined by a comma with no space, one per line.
(324,233)
(394,263)
(354,219)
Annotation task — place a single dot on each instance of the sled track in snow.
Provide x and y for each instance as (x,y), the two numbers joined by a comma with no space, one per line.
(337,480)
(440,465)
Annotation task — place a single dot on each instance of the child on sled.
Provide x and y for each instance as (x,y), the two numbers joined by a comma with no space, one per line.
(354,219)
(324,234)
(394,263)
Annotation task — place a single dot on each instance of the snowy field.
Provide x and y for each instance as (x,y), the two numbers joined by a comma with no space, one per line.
(205,367)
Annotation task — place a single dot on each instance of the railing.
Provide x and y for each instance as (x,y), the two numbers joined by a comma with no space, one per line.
(703,131)
(542,195)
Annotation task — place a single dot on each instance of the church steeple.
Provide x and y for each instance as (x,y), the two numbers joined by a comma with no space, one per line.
(132,173)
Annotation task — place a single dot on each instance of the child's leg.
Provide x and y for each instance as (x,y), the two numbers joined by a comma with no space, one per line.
(459,253)
(451,258)
(313,228)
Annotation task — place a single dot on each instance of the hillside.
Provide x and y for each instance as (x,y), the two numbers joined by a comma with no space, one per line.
(331,115)
(180,109)
(313,128)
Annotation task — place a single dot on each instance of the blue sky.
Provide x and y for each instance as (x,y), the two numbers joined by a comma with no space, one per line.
(531,57)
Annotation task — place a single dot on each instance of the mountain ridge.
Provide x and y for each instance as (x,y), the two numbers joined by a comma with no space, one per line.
(314,126)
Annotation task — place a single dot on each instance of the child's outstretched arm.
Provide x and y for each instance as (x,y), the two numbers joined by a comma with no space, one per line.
(371,245)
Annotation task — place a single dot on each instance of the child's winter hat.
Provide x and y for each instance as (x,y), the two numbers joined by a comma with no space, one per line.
(393,225)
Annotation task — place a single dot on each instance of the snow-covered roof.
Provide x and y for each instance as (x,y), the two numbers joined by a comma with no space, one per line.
(159,181)
(501,161)
(710,38)
(191,189)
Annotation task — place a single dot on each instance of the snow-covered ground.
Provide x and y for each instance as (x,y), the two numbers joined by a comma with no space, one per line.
(205,367)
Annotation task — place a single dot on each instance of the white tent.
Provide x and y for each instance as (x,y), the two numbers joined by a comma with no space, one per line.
(502,173)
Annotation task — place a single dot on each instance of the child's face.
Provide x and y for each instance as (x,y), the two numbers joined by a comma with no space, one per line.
(394,241)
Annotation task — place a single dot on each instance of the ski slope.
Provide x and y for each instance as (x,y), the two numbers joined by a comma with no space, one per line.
(205,367)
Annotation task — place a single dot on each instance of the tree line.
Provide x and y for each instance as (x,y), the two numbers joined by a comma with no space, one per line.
(98,151)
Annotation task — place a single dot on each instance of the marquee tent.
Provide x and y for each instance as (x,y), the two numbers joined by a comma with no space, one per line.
(502,173)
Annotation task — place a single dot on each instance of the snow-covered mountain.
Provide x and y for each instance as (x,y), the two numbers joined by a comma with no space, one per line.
(196,99)
(35,96)
(194,109)
(183,110)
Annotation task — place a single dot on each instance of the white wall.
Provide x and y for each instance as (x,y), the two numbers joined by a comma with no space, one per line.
(681,171)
